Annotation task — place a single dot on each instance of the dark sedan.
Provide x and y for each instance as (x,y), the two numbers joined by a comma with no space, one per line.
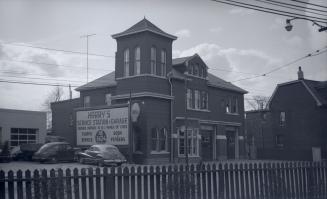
(55,152)
(102,155)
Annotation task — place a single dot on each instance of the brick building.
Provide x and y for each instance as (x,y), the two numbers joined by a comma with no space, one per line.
(294,126)
(169,96)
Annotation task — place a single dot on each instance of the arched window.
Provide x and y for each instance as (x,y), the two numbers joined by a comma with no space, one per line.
(163,140)
(153,61)
(159,139)
(163,63)
(137,62)
(126,63)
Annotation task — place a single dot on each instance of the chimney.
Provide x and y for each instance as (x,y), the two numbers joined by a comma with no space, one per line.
(300,73)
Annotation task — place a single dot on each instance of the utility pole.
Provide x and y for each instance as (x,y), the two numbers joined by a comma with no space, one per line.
(87,54)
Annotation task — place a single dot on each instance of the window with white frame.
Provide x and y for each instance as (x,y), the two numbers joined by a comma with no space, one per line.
(108,99)
(197,99)
(163,63)
(204,100)
(137,61)
(153,61)
(126,63)
(189,100)
(20,136)
(87,101)
(193,143)
(159,139)
(282,118)
(232,105)
(196,70)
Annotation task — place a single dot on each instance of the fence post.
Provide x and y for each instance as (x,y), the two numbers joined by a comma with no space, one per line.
(98,183)
(19,183)
(2,184)
(76,184)
(110,185)
(28,184)
(53,184)
(60,184)
(91,187)
(68,184)
(127,182)
(11,190)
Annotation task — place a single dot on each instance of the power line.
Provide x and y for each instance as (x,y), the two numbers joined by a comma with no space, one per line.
(309,3)
(289,7)
(293,5)
(318,52)
(58,50)
(65,80)
(36,83)
(261,7)
(49,64)
(267,10)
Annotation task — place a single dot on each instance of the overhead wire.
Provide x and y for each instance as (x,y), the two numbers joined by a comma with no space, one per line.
(313,4)
(289,7)
(294,5)
(277,12)
(58,50)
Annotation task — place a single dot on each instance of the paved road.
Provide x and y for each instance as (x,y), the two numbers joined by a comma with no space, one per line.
(16,165)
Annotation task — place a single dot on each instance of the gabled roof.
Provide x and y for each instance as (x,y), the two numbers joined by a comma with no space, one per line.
(141,26)
(213,80)
(311,86)
(104,81)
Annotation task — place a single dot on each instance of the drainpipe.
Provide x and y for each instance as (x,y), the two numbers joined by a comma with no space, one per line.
(171,122)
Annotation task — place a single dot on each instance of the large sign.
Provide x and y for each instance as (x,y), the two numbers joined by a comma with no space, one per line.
(103,126)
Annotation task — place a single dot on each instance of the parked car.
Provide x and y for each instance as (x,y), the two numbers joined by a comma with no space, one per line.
(55,152)
(102,155)
(24,151)
(5,153)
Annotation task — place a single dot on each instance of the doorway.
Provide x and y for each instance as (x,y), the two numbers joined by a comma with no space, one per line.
(230,135)
(206,145)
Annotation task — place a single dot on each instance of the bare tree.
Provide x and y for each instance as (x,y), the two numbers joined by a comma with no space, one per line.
(55,95)
(258,102)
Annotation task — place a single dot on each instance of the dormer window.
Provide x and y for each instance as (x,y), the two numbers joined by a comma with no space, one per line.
(190,69)
(200,70)
(137,62)
(163,63)
(196,70)
(153,61)
(126,63)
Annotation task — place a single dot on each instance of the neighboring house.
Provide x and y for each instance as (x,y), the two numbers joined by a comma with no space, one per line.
(294,126)
(169,95)
(22,127)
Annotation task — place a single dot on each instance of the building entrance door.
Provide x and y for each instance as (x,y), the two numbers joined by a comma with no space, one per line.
(206,145)
(230,135)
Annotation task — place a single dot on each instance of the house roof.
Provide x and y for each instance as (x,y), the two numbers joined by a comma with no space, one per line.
(142,26)
(313,87)
(104,81)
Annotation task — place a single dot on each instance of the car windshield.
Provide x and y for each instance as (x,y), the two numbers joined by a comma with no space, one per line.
(15,149)
(48,147)
(111,150)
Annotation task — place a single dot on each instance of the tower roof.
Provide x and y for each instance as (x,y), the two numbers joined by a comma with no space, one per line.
(142,26)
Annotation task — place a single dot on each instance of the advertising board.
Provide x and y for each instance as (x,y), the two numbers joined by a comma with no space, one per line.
(102,126)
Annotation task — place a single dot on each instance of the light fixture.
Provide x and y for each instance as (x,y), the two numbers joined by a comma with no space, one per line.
(289,26)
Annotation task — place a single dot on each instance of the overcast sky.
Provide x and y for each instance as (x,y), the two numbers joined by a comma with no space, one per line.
(228,39)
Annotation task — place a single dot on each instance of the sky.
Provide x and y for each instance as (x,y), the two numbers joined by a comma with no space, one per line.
(235,43)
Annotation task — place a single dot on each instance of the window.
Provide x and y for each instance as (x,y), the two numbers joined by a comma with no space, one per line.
(189,99)
(200,70)
(20,136)
(108,99)
(159,139)
(190,69)
(204,104)
(232,106)
(203,72)
(197,99)
(153,61)
(193,144)
(126,63)
(196,70)
(163,63)
(137,63)
(282,119)
(279,140)
(87,101)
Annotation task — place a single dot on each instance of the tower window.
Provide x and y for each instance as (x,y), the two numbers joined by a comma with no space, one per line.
(163,63)
(153,60)
(137,63)
(126,63)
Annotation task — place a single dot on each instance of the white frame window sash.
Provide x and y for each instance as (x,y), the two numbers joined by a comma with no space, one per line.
(126,63)
(137,60)
(163,63)
(153,61)
(108,99)
(193,140)
(87,101)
